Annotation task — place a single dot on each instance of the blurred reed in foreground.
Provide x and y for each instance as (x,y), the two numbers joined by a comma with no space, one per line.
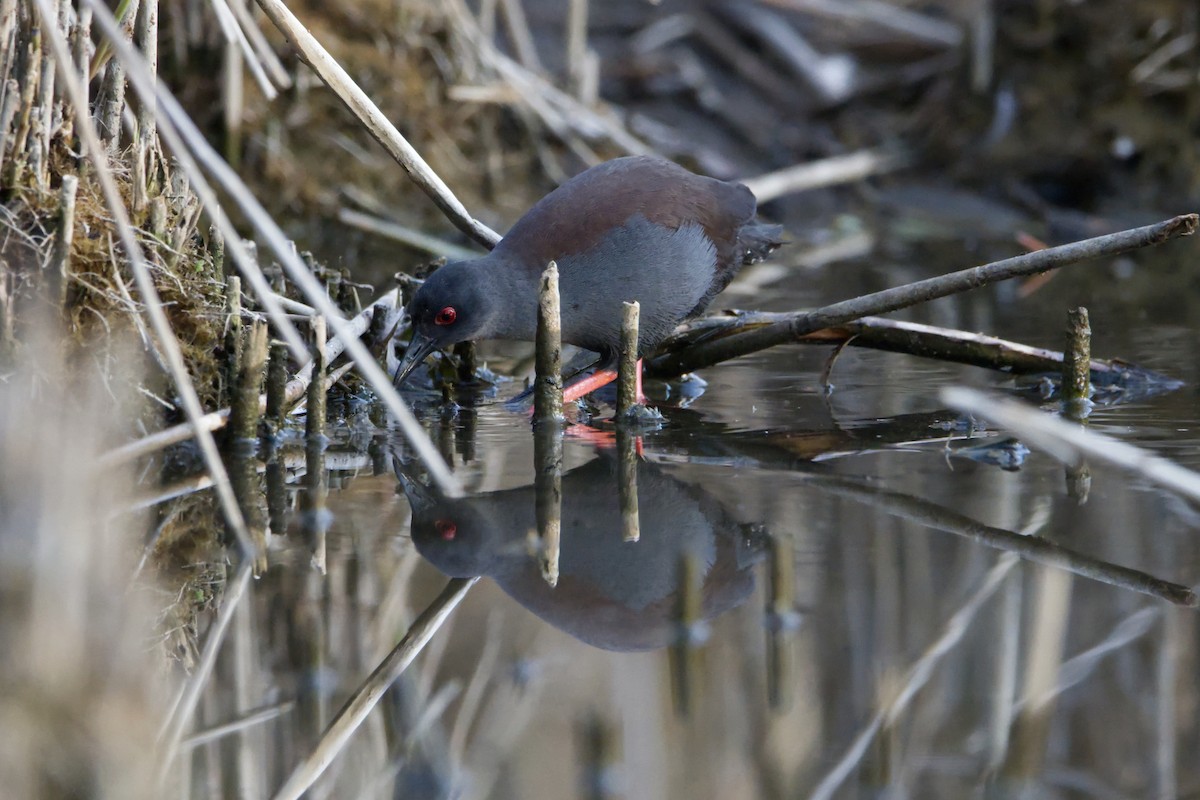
(81,686)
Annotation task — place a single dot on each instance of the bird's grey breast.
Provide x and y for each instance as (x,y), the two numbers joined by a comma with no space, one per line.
(666,270)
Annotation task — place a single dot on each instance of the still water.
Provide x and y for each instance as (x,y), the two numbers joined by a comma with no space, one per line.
(823,599)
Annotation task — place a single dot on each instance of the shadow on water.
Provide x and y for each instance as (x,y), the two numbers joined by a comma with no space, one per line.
(611,593)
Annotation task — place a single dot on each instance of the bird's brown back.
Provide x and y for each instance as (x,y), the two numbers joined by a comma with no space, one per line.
(575,216)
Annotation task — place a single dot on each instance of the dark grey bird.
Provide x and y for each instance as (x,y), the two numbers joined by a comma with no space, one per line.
(638,228)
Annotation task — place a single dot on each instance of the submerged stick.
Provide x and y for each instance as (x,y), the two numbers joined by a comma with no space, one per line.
(1032,548)
(368,695)
(627,484)
(355,99)
(707,353)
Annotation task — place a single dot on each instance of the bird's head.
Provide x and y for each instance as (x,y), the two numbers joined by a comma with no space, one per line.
(451,306)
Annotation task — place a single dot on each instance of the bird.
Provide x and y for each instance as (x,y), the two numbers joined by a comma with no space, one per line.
(638,228)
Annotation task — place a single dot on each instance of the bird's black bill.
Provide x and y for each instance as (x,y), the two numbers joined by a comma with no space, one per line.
(420,347)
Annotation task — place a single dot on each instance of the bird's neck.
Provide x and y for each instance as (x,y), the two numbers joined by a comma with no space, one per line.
(513,297)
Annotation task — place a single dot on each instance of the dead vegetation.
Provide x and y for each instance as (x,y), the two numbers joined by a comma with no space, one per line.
(503,99)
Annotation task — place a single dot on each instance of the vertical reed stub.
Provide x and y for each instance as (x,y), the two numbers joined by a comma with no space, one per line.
(314,417)
(60,268)
(112,88)
(547,395)
(316,516)
(547,420)
(627,365)
(244,412)
(146,37)
(243,430)
(277,372)
(467,361)
(1077,357)
(233,322)
(1077,393)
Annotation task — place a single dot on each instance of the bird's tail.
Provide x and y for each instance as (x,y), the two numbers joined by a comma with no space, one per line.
(757,241)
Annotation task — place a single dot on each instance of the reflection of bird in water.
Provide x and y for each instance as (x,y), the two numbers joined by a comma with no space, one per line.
(611,593)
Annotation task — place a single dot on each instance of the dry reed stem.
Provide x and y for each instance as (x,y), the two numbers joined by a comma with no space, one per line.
(174,126)
(145,146)
(826,172)
(266,53)
(235,36)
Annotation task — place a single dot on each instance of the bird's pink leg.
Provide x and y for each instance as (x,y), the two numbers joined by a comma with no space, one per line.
(599,379)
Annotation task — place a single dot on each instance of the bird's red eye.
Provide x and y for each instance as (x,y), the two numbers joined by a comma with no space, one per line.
(446,316)
(445,528)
